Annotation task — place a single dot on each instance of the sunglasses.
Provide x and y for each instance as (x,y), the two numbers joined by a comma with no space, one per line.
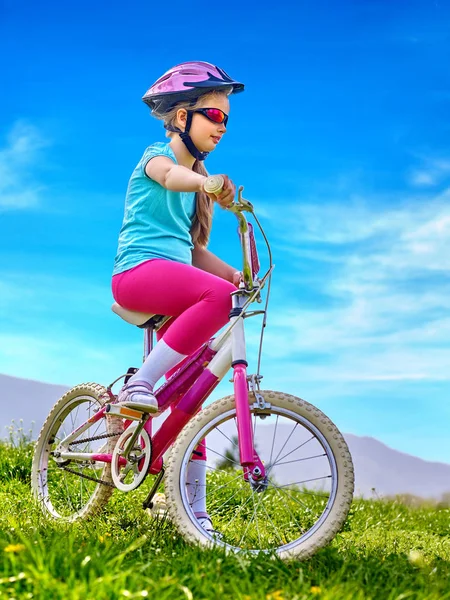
(213,114)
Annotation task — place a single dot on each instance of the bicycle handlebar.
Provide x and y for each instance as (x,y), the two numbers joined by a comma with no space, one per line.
(214,185)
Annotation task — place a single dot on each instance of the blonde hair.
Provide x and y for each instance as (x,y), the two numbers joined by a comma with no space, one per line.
(202,223)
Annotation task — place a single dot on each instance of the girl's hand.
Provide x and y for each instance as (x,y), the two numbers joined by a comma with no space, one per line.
(227,195)
(237,278)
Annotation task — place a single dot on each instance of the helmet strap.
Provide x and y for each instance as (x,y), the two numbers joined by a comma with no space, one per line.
(187,140)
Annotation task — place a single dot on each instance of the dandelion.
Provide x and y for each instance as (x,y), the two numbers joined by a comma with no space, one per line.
(85,561)
(277,595)
(187,591)
(416,558)
(14,548)
(13,579)
(315,589)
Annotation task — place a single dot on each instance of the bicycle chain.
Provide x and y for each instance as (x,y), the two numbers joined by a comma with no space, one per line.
(94,438)
(108,483)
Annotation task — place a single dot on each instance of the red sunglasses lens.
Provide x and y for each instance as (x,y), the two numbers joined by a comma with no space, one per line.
(215,115)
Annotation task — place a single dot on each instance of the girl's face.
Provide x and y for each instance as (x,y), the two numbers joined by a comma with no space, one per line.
(204,133)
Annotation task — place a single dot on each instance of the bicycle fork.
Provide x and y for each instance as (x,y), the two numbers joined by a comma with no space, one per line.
(254,470)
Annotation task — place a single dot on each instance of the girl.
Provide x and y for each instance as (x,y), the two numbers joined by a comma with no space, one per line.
(162,265)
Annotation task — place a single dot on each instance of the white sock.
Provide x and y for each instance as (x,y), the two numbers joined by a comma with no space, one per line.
(196,478)
(160,360)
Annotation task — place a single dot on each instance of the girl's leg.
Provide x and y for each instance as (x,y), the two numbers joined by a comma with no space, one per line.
(196,472)
(200,301)
(200,304)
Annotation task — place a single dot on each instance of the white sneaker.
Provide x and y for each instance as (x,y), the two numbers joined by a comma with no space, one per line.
(205,521)
(138,395)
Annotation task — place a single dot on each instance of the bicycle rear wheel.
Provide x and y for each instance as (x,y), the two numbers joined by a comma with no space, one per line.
(303,502)
(70,489)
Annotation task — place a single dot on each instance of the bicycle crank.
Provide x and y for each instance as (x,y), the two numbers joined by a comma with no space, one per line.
(131,459)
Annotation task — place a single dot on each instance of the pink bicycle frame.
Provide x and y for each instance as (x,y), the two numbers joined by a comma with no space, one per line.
(187,389)
(208,368)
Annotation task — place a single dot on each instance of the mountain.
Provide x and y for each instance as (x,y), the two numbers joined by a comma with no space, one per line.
(377,466)
(391,472)
(28,400)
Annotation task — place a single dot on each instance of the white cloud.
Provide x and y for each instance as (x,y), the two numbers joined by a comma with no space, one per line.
(18,160)
(384,275)
(432,172)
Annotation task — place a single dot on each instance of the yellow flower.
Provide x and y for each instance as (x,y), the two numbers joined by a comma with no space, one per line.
(14,548)
(315,589)
(277,595)
(416,558)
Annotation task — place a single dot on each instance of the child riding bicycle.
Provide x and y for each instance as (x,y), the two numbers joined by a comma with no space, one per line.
(162,265)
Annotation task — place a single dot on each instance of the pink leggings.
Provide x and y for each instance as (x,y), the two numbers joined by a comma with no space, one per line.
(199,301)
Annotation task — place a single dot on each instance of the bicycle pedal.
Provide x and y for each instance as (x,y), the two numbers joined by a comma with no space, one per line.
(158,507)
(124,412)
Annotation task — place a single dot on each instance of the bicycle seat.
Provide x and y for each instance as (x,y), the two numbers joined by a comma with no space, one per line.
(139,319)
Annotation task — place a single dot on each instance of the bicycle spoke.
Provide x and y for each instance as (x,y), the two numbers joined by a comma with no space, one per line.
(237,512)
(206,466)
(282,490)
(272,523)
(288,507)
(221,486)
(305,481)
(256,520)
(284,445)
(288,462)
(222,456)
(213,511)
(294,450)
(225,436)
(252,496)
(273,440)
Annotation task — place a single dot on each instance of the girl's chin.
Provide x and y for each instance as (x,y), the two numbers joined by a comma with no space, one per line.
(207,146)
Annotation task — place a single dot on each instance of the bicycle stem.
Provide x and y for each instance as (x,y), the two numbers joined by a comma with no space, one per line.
(238,208)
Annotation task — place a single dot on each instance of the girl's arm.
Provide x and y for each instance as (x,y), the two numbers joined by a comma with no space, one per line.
(181,179)
(174,177)
(207,261)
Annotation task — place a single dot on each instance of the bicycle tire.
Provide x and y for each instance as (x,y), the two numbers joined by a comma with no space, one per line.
(97,494)
(312,419)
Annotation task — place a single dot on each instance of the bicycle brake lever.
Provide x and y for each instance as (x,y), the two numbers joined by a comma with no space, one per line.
(242,202)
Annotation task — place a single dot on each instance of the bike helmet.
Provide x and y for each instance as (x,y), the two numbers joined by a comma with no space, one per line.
(187,81)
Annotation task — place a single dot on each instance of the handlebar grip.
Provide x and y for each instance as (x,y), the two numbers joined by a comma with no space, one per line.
(214,184)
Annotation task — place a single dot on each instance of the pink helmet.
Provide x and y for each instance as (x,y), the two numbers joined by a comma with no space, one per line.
(187,81)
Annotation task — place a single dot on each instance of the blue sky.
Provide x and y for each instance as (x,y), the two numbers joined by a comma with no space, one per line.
(341,141)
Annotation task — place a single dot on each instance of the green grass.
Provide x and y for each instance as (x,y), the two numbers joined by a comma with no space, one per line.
(387,550)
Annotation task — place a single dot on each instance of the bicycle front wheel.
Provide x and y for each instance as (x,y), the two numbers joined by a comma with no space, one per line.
(296,510)
(74,489)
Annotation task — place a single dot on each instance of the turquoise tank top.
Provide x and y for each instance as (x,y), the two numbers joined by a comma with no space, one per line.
(157,222)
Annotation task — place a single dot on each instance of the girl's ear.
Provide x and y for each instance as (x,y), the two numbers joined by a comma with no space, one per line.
(181,118)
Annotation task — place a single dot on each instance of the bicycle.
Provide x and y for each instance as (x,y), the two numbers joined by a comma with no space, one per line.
(288,495)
